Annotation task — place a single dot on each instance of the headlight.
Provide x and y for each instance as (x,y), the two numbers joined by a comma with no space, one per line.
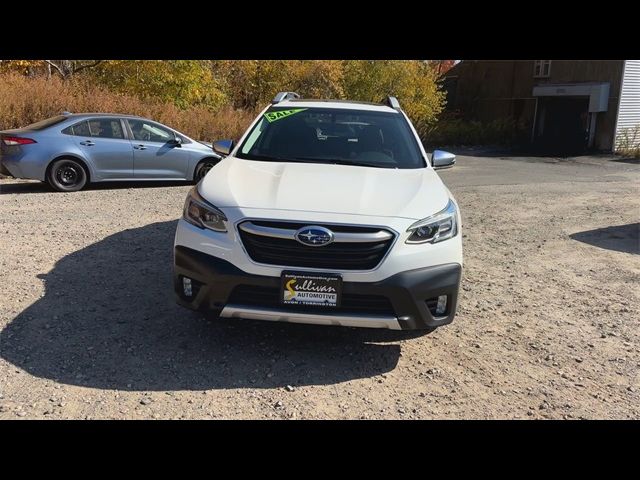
(202,214)
(435,228)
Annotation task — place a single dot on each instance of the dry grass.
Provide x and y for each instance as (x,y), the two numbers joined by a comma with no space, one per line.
(26,100)
(628,143)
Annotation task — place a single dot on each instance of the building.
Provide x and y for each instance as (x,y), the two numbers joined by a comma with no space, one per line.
(560,105)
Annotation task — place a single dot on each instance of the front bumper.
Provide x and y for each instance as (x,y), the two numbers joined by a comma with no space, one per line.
(216,284)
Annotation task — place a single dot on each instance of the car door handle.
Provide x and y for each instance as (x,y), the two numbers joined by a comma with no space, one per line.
(88,143)
(139,147)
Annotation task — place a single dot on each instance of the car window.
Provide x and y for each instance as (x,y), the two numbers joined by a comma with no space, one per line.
(80,129)
(150,132)
(106,128)
(325,135)
(101,127)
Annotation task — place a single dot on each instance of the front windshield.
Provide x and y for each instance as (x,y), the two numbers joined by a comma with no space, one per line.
(337,136)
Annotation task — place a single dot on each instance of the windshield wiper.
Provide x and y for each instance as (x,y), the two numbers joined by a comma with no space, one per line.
(267,158)
(333,161)
(340,161)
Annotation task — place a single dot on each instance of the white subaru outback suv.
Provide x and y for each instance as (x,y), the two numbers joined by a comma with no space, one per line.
(325,212)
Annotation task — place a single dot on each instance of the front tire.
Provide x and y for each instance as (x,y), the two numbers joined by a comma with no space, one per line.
(67,175)
(203,168)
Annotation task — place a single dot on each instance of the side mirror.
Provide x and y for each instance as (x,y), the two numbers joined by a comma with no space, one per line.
(223,147)
(176,142)
(442,159)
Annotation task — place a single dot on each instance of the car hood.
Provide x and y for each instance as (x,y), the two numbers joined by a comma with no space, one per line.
(354,190)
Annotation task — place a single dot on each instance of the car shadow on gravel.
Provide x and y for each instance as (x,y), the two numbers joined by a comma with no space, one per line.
(41,187)
(108,320)
(621,238)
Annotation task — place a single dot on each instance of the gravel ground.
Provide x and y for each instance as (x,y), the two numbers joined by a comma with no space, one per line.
(548,323)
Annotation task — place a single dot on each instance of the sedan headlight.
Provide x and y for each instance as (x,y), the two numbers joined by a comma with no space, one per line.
(436,228)
(202,214)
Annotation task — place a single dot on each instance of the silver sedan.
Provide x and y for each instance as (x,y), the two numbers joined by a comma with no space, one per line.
(71,150)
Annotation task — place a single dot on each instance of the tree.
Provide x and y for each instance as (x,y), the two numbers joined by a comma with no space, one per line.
(182,82)
(24,67)
(317,78)
(67,68)
(64,68)
(413,82)
(252,83)
(249,84)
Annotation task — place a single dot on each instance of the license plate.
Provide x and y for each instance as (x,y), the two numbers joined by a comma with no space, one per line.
(322,290)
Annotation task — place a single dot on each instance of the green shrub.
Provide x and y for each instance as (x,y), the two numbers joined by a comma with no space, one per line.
(457,131)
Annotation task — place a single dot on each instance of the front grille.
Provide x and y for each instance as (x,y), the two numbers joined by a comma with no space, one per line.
(350,303)
(335,256)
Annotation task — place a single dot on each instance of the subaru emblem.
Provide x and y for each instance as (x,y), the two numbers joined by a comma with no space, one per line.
(314,236)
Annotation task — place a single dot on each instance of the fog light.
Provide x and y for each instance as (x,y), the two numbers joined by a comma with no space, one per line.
(442,305)
(186,287)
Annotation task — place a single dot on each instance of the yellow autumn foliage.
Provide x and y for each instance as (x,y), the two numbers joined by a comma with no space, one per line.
(251,84)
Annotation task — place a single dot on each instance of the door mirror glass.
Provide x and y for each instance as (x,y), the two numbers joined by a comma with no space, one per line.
(223,147)
(442,159)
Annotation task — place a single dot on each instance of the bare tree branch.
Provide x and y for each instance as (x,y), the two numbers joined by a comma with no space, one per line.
(69,67)
(56,67)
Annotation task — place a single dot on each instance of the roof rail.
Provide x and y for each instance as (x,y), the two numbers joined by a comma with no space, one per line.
(392,102)
(284,96)
(66,113)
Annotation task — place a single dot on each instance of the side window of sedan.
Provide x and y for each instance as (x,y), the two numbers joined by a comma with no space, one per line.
(101,128)
(79,129)
(150,132)
(106,128)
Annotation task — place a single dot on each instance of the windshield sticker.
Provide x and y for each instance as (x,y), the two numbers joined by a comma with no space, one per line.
(277,115)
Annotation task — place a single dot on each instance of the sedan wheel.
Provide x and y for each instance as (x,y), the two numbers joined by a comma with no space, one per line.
(67,176)
(204,168)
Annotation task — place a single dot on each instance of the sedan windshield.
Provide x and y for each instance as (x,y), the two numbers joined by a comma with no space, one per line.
(334,136)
